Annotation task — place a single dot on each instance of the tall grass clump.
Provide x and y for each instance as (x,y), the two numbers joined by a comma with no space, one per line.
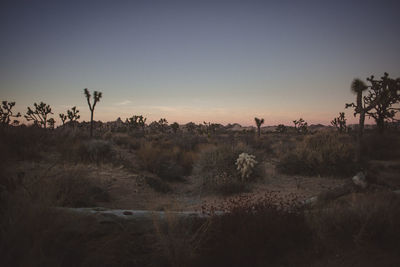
(323,153)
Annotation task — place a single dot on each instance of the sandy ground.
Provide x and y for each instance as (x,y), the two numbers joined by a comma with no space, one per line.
(130,191)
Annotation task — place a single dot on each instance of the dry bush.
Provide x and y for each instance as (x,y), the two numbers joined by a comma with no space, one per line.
(361,220)
(126,141)
(23,143)
(34,234)
(178,238)
(158,184)
(64,186)
(323,153)
(267,231)
(170,163)
(89,151)
(384,146)
(216,166)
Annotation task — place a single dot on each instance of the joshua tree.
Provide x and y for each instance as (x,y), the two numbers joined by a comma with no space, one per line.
(175,127)
(358,87)
(162,124)
(340,122)
(136,121)
(73,114)
(51,123)
(190,126)
(6,113)
(96,98)
(301,126)
(383,95)
(63,118)
(39,114)
(259,122)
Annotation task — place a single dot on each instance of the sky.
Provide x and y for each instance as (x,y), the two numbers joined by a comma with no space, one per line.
(214,61)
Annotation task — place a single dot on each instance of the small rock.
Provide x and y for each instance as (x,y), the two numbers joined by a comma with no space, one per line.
(360,180)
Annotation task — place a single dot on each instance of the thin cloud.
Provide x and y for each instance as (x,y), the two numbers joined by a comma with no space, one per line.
(123,103)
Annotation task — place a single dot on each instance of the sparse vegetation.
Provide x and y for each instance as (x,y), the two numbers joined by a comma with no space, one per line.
(45,169)
(320,154)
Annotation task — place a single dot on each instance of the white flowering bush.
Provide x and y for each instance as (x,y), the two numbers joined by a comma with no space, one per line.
(245,165)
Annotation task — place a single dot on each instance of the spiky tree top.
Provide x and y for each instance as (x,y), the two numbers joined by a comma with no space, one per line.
(63,117)
(259,122)
(73,114)
(358,86)
(6,112)
(96,98)
(39,114)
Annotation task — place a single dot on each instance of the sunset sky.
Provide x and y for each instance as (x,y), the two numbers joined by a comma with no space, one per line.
(217,61)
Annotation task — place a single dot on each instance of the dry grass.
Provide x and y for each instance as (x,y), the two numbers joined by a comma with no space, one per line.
(323,153)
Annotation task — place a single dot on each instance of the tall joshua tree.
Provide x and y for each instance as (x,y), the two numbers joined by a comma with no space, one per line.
(358,87)
(96,98)
(259,122)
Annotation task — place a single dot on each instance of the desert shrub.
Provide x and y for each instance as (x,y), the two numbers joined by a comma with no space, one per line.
(75,189)
(157,184)
(323,153)
(216,166)
(168,163)
(256,232)
(66,187)
(23,143)
(126,141)
(384,146)
(90,151)
(34,234)
(245,165)
(188,142)
(369,220)
(96,151)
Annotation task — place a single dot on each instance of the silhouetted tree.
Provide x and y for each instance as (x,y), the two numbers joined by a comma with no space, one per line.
(136,121)
(383,96)
(175,127)
(190,126)
(39,114)
(6,113)
(63,118)
(162,124)
(51,122)
(301,126)
(358,87)
(259,122)
(96,98)
(340,122)
(73,115)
